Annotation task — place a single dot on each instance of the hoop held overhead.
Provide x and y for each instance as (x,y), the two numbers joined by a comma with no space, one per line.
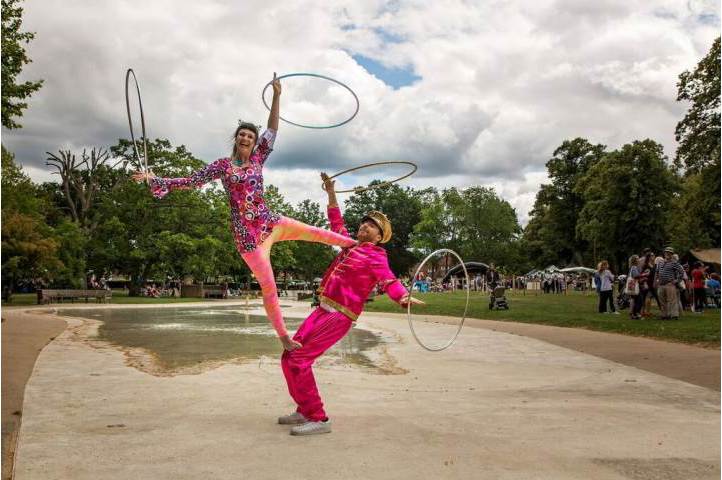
(263,97)
(378,185)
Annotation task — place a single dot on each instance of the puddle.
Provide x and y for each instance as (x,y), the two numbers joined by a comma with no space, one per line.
(179,340)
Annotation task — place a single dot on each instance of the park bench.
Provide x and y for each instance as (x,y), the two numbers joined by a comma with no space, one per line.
(214,291)
(49,296)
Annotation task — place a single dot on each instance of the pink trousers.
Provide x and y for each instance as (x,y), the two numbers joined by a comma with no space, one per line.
(317,334)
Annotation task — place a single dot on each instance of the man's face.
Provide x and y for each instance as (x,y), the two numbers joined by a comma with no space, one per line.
(668,255)
(368,231)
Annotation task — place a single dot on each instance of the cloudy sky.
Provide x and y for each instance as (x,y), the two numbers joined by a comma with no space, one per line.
(475,93)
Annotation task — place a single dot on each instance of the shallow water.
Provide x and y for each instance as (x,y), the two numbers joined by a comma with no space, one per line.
(187,336)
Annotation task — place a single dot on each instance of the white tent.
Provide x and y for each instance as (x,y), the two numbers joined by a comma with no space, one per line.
(577,270)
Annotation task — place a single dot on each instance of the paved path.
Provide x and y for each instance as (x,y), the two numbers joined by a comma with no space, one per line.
(495,405)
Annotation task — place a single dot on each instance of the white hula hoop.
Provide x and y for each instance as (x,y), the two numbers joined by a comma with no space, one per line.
(144,164)
(466,307)
(378,185)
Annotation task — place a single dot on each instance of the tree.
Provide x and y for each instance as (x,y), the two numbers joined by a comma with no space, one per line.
(402,206)
(29,246)
(698,133)
(81,181)
(474,222)
(441,221)
(13,59)
(490,226)
(627,195)
(551,234)
(185,233)
(311,259)
(699,155)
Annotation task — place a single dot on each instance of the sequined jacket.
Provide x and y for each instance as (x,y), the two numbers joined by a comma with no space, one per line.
(352,275)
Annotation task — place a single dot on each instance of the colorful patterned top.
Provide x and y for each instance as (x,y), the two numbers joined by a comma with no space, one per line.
(251,220)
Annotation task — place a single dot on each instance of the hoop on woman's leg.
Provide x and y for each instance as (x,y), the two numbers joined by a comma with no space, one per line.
(289,229)
(259,261)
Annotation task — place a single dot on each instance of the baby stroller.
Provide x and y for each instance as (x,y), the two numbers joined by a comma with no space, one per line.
(498,299)
(623,300)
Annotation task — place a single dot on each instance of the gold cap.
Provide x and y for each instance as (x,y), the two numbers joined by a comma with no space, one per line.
(381,221)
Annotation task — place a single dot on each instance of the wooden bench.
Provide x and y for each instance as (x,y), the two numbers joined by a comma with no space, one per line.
(214,291)
(49,296)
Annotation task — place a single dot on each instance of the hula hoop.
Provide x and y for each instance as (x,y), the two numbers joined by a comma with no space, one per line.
(144,165)
(466,307)
(263,97)
(378,185)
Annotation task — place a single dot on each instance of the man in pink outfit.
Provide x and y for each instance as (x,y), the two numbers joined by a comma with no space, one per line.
(344,288)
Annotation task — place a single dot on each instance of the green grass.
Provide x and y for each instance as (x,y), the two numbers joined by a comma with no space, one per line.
(574,310)
(119,297)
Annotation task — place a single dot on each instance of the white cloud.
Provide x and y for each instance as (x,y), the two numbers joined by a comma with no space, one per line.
(503,83)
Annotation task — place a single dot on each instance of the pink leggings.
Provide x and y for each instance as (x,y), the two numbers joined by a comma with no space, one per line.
(259,261)
(317,334)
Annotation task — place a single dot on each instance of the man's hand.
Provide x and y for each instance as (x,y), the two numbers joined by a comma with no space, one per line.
(406,299)
(330,187)
(328,184)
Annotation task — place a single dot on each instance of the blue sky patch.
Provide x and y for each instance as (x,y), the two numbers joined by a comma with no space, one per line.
(393,77)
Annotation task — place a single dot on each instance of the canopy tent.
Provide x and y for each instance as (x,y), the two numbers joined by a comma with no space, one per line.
(577,270)
(471,268)
(552,269)
(709,255)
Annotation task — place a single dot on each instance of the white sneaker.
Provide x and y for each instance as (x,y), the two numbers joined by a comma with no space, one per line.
(312,428)
(293,419)
(615,312)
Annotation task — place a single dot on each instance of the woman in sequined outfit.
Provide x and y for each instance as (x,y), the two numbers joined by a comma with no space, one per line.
(255,228)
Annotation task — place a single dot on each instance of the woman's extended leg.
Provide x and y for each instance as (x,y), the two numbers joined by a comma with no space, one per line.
(290,229)
(259,261)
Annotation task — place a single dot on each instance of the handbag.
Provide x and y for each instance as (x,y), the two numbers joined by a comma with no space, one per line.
(632,287)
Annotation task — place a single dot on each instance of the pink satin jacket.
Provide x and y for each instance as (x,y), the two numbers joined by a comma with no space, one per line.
(355,272)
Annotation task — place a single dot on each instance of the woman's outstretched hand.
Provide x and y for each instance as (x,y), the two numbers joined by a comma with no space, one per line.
(143,176)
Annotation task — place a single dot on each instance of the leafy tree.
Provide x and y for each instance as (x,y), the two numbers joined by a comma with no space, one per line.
(311,259)
(13,59)
(29,253)
(441,221)
(474,222)
(699,155)
(29,249)
(550,234)
(81,181)
(687,228)
(403,208)
(185,234)
(698,133)
(490,226)
(627,195)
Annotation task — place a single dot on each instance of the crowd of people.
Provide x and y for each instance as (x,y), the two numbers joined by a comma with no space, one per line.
(659,280)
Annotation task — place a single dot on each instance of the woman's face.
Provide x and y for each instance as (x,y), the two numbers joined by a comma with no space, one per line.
(245,141)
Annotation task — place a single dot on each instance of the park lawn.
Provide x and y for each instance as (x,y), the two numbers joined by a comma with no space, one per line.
(119,297)
(575,310)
